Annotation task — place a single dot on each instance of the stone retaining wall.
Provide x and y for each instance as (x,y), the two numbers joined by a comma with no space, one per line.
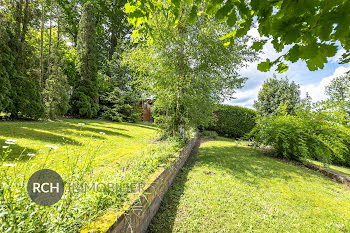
(333,175)
(140,213)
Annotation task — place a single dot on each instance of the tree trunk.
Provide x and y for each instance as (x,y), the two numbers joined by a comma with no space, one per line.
(42,46)
(58,43)
(49,52)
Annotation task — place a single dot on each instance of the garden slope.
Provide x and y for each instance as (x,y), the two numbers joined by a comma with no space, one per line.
(232,188)
(113,142)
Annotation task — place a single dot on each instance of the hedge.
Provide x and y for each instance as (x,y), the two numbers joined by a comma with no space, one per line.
(233,121)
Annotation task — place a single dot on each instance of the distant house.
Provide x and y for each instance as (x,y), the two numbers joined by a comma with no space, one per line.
(145,108)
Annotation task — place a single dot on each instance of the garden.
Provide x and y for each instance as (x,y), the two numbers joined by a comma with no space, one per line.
(174,116)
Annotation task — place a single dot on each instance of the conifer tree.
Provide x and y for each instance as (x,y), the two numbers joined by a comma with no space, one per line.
(56,85)
(6,66)
(85,96)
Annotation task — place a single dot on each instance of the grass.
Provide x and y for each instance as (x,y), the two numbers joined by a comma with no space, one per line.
(338,169)
(228,187)
(116,141)
(90,151)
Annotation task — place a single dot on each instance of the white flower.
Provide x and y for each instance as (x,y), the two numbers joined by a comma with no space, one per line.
(102,133)
(9,164)
(81,124)
(52,147)
(30,155)
(5,147)
(10,142)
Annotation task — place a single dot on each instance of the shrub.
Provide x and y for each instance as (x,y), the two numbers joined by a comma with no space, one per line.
(345,160)
(209,134)
(233,121)
(306,135)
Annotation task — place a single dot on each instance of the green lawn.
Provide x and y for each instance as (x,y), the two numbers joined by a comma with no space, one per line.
(338,169)
(111,143)
(81,151)
(228,187)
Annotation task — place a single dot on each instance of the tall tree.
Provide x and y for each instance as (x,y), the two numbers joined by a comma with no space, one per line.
(339,92)
(339,88)
(24,79)
(50,37)
(7,61)
(187,69)
(42,31)
(85,96)
(56,84)
(277,95)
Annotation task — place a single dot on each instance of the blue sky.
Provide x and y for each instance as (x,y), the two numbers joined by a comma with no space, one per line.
(312,82)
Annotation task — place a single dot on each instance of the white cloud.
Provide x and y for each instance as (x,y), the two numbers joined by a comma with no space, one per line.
(313,82)
(337,56)
(317,90)
(245,98)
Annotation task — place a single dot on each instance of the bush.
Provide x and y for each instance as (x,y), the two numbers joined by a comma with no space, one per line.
(345,160)
(306,135)
(209,134)
(233,121)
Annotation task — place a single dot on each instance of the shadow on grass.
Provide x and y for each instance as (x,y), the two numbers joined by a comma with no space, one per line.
(33,134)
(171,200)
(245,164)
(92,129)
(49,133)
(145,125)
(14,152)
(32,131)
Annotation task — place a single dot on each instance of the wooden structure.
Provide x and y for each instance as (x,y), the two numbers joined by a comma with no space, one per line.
(145,108)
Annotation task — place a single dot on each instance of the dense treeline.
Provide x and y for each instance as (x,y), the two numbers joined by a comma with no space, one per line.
(58,58)
(84,59)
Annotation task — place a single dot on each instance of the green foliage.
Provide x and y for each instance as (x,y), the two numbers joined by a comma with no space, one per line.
(180,68)
(81,103)
(85,95)
(120,106)
(233,121)
(20,91)
(209,134)
(311,27)
(118,95)
(304,135)
(277,94)
(56,94)
(339,95)
(339,88)
(6,68)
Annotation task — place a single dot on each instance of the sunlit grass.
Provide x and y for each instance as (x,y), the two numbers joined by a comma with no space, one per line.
(338,169)
(232,188)
(117,142)
(90,151)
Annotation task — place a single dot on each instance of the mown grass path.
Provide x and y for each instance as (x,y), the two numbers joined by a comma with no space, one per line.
(228,187)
